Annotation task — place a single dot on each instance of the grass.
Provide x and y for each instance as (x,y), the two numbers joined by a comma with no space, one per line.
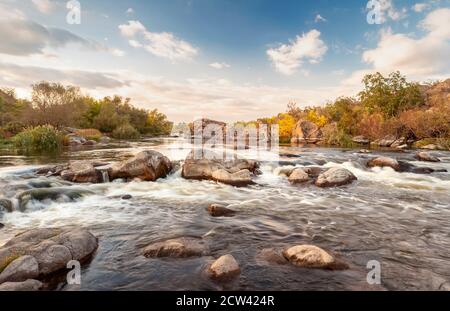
(43,138)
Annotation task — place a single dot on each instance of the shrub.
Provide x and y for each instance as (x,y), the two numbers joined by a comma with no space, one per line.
(125,131)
(40,138)
(89,134)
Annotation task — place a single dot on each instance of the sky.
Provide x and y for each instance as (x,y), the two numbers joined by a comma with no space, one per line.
(230,60)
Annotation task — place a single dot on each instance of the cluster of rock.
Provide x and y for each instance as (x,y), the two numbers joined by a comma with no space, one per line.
(332,177)
(39,253)
(147,165)
(226,267)
(389,141)
(401,166)
(238,172)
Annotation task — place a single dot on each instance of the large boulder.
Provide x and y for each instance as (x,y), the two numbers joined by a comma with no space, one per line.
(82,172)
(306,132)
(384,162)
(310,256)
(20,270)
(52,249)
(75,140)
(27,286)
(147,165)
(225,268)
(335,177)
(176,248)
(240,178)
(298,176)
(234,172)
(424,156)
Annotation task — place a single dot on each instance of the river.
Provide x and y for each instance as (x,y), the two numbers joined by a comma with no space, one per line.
(401,220)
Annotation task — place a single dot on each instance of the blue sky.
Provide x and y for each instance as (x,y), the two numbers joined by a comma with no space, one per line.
(227,59)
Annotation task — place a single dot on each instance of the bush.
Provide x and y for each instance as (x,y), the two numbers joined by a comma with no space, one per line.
(40,138)
(89,134)
(125,131)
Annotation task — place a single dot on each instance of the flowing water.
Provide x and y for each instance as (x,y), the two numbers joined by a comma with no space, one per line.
(400,219)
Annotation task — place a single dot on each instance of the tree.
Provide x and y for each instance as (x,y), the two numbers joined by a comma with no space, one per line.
(390,95)
(55,104)
(157,123)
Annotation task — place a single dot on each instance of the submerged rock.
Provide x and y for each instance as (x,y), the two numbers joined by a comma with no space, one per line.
(51,249)
(272,256)
(71,193)
(6,206)
(1,226)
(335,177)
(217,210)
(298,176)
(224,269)
(27,286)
(176,248)
(310,256)
(127,197)
(384,162)
(147,165)
(425,156)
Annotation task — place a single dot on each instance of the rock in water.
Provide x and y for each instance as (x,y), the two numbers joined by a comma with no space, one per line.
(225,268)
(6,206)
(217,210)
(53,194)
(425,156)
(384,162)
(20,270)
(176,248)
(240,178)
(298,176)
(335,177)
(27,286)
(309,256)
(270,255)
(52,249)
(1,226)
(127,197)
(82,172)
(147,165)
(237,172)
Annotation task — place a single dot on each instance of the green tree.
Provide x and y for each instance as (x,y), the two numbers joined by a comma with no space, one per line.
(390,95)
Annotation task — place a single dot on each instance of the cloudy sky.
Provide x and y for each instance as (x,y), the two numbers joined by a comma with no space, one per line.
(224,59)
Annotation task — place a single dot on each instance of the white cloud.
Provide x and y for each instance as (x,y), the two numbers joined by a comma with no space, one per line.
(319,18)
(44,6)
(420,58)
(161,44)
(419,7)
(135,44)
(288,58)
(117,52)
(218,65)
